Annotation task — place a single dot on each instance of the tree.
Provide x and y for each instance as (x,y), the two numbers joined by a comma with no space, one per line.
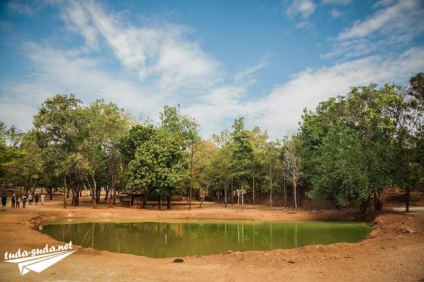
(242,154)
(57,130)
(347,144)
(272,166)
(409,136)
(104,125)
(262,158)
(184,130)
(291,164)
(159,165)
(217,172)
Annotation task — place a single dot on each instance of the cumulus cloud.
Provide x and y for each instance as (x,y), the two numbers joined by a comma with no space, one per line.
(302,8)
(157,51)
(280,111)
(392,26)
(158,65)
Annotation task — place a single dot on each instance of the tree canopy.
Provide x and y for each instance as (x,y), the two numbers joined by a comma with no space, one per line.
(350,149)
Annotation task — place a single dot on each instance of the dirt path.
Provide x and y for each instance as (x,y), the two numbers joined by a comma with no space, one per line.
(395,253)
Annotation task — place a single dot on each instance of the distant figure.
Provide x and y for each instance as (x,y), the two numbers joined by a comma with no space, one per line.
(13,200)
(3,201)
(18,201)
(42,198)
(36,199)
(24,199)
(30,199)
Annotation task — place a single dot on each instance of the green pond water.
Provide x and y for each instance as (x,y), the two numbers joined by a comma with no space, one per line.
(189,238)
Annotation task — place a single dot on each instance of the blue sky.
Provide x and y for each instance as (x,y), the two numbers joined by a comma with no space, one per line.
(218,60)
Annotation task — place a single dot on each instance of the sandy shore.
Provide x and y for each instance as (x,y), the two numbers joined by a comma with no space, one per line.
(393,252)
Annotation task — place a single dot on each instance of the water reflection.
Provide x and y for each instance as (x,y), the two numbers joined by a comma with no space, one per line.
(169,239)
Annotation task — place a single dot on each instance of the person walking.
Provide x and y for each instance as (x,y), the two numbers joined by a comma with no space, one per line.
(13,201)
(42,198)
(3,201)
(18,201)
(36,199)
(24,199)
(30,198)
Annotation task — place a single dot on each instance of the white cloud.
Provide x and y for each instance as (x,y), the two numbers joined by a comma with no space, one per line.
(302,8)
(335,13)
(85,77)
(20,8)
(304,24)
(397,18)
(245,76)
(79,21)
(337,2)
(218,109)
(159,64)
(383,3)
(280,111)
(386,29)
(156,51)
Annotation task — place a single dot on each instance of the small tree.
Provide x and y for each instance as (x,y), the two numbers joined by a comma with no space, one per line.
(291,164)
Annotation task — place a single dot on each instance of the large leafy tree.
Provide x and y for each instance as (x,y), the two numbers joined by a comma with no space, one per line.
(185,131)
(57,128)
(104,125)
(348,145)
(160,165)
(409,139)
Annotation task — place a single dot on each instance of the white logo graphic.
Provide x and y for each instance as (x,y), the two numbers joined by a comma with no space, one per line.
(32,261)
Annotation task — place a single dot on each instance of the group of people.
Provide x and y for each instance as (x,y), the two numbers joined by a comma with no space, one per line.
(17,200)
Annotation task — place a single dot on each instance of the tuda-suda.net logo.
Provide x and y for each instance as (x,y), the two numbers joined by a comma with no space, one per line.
(39,259)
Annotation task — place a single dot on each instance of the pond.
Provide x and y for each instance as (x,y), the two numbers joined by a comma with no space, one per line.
(160,239)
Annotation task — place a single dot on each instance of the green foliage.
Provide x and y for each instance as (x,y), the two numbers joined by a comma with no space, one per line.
(159,165)
(242,151)
(350,145)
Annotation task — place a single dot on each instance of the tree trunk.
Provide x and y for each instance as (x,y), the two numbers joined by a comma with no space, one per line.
(270,196)
(242,195)
(285,193)
(225,193)
(168,202)
(201,199)
(34,187)
(160,202)
(295,194)
(107,194)
(378,201)
(51,193)
(363,206)
(69,190)
(64,192)
(253,196)
(232,191)
(98,194)
(75,195)
(93,193)
(408,198)
(191,180)
(114,196)
(144,201)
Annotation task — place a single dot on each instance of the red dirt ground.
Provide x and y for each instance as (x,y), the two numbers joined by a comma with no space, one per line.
(394,251)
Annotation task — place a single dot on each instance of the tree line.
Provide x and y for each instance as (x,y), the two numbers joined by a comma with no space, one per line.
(350,149)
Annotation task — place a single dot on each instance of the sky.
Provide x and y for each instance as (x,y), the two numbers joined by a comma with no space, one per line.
(216,59)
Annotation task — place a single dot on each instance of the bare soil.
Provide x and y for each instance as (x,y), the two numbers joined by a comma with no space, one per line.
(394,251)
